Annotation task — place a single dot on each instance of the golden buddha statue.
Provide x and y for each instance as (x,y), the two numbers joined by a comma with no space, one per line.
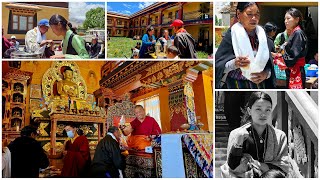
(65,87)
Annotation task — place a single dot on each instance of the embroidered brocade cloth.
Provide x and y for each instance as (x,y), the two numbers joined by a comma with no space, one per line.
(201,148)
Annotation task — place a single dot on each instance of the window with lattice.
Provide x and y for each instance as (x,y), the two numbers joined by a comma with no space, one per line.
(152,107)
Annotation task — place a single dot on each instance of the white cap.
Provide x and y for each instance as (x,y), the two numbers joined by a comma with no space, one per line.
(13,37)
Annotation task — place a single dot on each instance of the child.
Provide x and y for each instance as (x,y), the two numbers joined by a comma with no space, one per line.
(172,53)
(138,45)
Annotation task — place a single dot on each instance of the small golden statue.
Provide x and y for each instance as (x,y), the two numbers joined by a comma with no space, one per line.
(65,87)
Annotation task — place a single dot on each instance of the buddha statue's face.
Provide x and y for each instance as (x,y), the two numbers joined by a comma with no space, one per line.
(68,74)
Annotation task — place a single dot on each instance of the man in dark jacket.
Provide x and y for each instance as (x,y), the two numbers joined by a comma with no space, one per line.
(95,47)
(27,155)
(183,41)
(107,161)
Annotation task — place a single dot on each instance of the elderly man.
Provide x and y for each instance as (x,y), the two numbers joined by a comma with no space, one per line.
(15,42)
(36,37)
(141,128)
(95,47)
(183,41)
(107,161)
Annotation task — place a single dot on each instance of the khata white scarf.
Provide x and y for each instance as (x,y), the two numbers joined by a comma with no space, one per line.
(40,37)
(6,163)
(242,47)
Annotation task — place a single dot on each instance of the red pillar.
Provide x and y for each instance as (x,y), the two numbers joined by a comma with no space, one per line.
(180,13)
(148,21)
(114,26)
(160,17)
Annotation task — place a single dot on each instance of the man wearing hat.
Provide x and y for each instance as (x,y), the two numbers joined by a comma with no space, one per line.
(95,47)
(183,41)
(15,42)
(36,37)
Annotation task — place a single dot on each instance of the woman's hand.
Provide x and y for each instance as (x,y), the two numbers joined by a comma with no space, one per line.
(153,41)
(45,42)
(241,136)
(259,165)
(242,61)
(259,77)
(57,57)
(65,153)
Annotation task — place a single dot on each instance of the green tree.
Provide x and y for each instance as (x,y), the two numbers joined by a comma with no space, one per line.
(95,18)
(216,20)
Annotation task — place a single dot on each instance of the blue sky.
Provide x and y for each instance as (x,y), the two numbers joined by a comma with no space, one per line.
(127,7)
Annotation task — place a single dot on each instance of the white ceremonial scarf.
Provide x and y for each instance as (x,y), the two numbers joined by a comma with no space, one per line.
(242,47)
(113,137)
(40,37)
(6,163)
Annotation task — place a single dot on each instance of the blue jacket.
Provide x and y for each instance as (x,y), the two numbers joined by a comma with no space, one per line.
(145,44)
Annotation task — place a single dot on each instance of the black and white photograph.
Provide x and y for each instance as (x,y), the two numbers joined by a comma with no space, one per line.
(266,134)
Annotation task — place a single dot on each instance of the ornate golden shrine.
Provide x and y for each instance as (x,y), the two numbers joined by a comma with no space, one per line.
(77,108)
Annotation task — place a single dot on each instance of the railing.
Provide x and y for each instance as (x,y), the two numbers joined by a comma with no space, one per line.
(298,112)
(120,25)
(197,15)
(167,20)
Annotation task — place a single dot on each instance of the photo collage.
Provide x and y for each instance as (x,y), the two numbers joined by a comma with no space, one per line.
(148,89)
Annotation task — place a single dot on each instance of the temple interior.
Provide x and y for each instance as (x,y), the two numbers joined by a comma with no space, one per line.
(96,95)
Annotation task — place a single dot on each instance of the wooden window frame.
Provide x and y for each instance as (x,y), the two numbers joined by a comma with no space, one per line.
(17,31)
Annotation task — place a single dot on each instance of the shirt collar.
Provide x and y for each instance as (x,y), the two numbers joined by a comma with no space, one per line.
(113,137)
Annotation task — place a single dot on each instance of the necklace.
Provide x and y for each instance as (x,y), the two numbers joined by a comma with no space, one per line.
(261,140)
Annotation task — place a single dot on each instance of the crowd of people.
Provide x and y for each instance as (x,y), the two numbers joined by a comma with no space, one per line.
(182,42)
(108,160)
(72,46)
(239,67)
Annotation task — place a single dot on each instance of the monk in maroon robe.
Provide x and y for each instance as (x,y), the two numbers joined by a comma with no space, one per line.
(141,128)
(77,154)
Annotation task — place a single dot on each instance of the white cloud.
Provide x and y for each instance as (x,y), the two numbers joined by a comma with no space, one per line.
(145,4)
(127,5)
(109,8)
(78,10)
(123,12)
(126,12)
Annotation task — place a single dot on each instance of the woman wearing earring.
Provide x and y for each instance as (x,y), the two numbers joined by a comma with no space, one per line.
(148,42)
(243,59)
(256,146)
(73,46)
(295,51)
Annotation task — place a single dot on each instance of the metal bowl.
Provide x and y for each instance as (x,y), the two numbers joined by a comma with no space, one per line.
(25,55)
(185,126)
